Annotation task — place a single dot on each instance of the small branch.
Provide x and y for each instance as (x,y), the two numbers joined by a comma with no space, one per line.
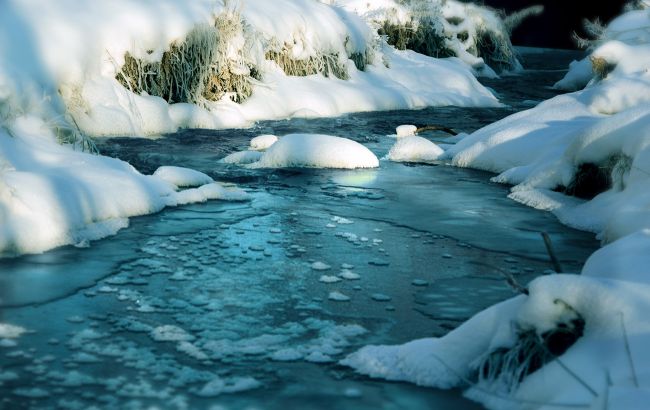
(551,253)
(629,352)
(436,128)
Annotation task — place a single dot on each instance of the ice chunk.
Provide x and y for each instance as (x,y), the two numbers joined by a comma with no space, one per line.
(320,266)
(317,151)
(349,275)
(338,297)
(329,279)
(170,333)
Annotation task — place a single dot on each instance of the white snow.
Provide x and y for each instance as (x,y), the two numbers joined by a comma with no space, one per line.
(182,177)
(606,124)
(263,142)
(414,149)
(320,266)
(242,157)
(52,195)
(316,151)
(405,130)
(338,297)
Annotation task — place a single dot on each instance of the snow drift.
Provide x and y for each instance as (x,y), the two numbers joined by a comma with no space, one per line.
(51,195)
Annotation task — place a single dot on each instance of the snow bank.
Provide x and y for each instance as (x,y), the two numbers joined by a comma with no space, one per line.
(586,157)
(478,35)
(592,144)
(631,29)
(614,313)
(316,151)
(102,63)
(51,195)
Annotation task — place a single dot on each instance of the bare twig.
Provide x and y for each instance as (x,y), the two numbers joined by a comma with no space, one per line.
(629,352)
(551,253)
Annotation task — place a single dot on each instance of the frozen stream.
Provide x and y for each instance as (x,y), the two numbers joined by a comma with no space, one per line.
(233,304)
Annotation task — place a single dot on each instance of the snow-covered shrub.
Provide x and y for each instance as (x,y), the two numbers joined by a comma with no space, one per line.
(622,41)
(207,65)
(504,368)
(445,28)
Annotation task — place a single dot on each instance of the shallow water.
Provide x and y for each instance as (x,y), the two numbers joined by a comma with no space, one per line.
(233,304)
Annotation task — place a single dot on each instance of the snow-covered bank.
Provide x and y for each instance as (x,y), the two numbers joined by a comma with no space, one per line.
(573,340)
(144,67)
(127,67)
(51,195)
(478,35)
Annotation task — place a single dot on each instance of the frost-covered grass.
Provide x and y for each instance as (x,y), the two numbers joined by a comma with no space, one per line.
(571,340)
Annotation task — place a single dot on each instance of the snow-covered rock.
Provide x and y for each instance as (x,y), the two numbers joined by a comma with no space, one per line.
(414,149)
(317,151)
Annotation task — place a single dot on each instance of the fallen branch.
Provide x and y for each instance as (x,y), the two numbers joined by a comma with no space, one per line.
(436,128)
(629,352)
(551,253)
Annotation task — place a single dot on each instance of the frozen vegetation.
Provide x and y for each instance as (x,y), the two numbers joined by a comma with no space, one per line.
(570,340)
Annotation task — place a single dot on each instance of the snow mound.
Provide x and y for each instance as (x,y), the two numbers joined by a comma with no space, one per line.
(316,151)
(263,142)
(182,177)
(405,131)
(52,195)
(621,45)
(414,149)
(242,157)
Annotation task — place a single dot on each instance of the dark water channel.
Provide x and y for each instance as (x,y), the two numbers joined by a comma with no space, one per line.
(232,305)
